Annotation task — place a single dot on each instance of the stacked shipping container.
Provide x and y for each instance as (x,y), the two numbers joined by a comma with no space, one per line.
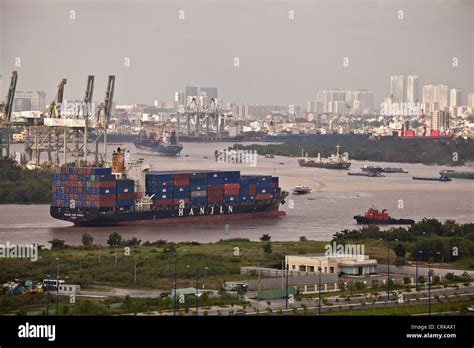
(201,187)
(90,187)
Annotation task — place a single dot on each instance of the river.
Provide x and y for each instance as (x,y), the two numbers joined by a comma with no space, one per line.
(335,199)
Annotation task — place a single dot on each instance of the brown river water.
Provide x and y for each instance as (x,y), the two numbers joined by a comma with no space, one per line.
(335,199)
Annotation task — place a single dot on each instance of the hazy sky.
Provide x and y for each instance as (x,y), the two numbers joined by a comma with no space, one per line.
(282,61)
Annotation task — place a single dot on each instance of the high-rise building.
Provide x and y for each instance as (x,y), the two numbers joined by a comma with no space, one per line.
(316,107)
(436,94)
(179,98)
(470,100)
(440,120)
(30,101)
(396,88)
(324,97)
(455,97)
(428,94)
(441,95)
(337,95)
(191,91)
(210,92)
(412,89)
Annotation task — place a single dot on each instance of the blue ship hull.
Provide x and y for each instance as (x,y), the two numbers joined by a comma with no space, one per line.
(160,149)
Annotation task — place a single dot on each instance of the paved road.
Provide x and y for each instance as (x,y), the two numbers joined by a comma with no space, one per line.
(120,292)
(411,270)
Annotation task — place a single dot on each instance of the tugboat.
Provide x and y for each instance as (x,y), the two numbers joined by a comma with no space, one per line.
(376,217)
(160,146)
(336,161)
(301,190)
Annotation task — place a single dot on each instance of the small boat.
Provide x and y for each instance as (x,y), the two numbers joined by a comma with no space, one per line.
(301,190)
(441,178)
(457,174)
(369,169)
(376,217)
(368,174)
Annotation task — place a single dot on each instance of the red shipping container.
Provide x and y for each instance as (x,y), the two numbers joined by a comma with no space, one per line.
(161,202)
(181,182)
(103,184)
(105,203)
(138,195)
(181,176)
(179,200)
(215,187)
(231,192)
(129,195)
(235,186)
(252,186)
(261,196)
(214,199)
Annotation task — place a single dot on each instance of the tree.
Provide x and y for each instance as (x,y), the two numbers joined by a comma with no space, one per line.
(115,239)
(56,243)
(399,250)
(267,248)
(265,238)
(87,239)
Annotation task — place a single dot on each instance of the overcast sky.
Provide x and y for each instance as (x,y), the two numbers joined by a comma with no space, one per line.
(282,60)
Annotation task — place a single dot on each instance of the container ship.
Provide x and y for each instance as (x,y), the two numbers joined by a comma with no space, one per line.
(130,193)
(376,217)
(160,146)
(336,161)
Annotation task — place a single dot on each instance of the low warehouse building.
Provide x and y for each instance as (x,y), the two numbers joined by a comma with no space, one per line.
(349,265)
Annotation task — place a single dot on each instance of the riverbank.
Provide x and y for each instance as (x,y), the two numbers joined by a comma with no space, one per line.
(454,152)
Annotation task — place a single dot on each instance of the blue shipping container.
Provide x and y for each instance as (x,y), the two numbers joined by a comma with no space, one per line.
(198,200)
(125,202)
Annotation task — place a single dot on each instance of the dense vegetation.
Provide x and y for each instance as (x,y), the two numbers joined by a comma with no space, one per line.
(18,185)
(446,241)
(90,265)
(454,152)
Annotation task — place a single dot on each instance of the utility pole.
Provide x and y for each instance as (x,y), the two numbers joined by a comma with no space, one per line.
(135,273)
(57,287)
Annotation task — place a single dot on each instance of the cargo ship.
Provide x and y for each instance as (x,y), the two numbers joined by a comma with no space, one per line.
(376,217)
(131,193)
(457,174)
(160,146)
(336,161)
(441,178)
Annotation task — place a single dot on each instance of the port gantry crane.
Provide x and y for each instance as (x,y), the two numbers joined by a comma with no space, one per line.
(6,109)
(196,113)
(74,127)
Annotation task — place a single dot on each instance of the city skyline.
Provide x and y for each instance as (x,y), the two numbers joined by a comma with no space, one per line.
(276,62)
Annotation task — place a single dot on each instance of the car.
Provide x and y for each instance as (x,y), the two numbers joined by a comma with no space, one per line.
(470,308)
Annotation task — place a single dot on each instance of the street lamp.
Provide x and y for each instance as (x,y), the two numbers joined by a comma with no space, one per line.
(319,287)
(48,284)
(416,260)
(388,270)
(175,304)
(197,289)
(57,286)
